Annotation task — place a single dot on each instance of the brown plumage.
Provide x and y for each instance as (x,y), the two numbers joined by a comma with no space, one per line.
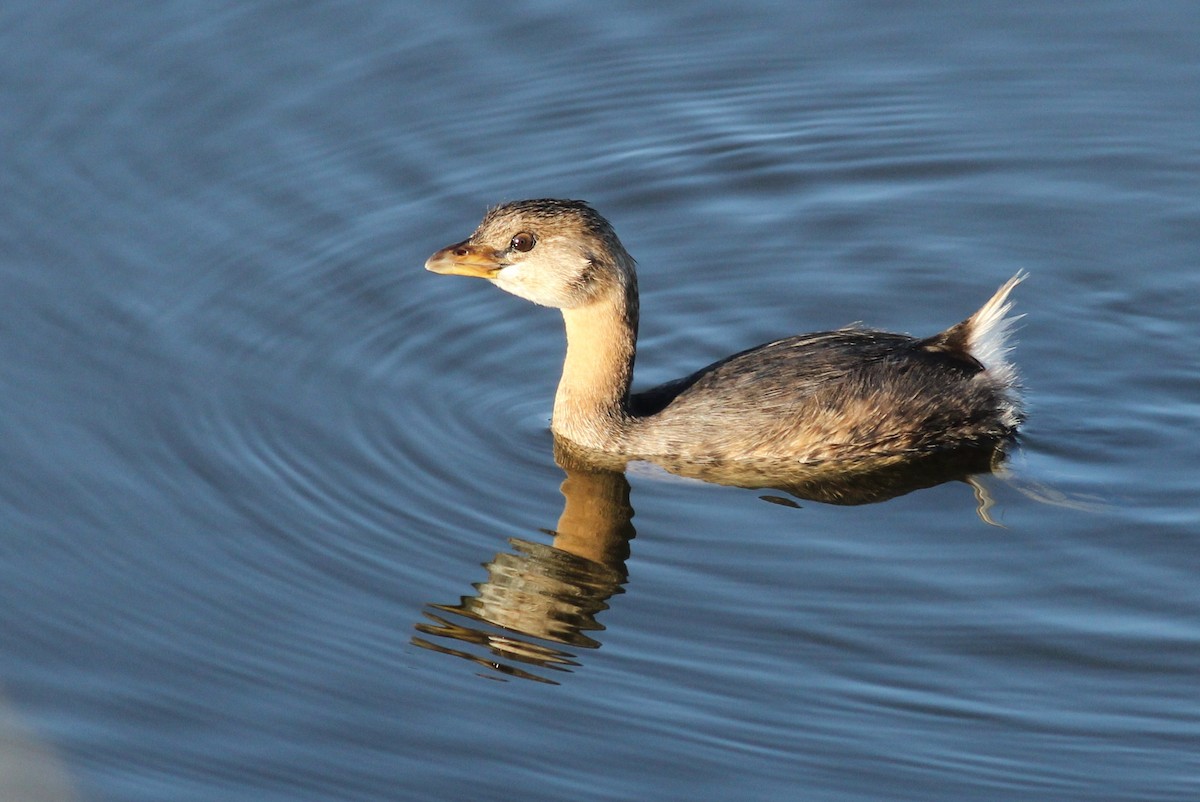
(836,397)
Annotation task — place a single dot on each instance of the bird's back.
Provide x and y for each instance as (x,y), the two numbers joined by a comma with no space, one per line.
(845,395)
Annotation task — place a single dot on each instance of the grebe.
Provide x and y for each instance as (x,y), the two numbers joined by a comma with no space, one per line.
(840,397)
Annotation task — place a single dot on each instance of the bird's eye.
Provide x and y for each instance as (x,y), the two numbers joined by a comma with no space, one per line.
(523,242)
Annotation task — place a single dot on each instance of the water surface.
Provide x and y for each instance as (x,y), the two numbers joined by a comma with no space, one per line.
(281,513)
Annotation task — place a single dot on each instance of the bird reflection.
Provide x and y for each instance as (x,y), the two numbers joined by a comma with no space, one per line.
(537,608)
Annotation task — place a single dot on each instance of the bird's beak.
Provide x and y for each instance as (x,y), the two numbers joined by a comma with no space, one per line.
(465,259)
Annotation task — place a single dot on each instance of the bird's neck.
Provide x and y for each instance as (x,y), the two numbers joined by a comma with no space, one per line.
(591,407)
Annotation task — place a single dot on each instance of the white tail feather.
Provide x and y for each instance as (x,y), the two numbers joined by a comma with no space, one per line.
(987,338)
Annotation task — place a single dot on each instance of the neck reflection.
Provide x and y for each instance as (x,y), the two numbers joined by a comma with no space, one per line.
(542,600)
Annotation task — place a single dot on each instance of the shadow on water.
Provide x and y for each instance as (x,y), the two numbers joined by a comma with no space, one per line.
(540,600)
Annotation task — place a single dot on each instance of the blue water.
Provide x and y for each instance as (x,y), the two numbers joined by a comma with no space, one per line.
(280,516)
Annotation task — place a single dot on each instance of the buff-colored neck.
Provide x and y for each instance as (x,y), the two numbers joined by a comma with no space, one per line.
(591,407)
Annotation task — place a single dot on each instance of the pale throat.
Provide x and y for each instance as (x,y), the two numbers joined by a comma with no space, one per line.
(591,405)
